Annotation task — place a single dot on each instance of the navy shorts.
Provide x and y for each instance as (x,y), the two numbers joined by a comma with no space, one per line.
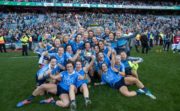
(79,91)
(119,84)
(46,58)
(39,82)
(120,49)
(60,91)
(128,71)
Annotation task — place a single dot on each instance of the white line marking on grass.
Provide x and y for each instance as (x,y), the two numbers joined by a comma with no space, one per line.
(23,57)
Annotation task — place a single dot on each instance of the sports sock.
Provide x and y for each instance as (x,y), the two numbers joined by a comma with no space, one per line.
(30,98)
(138,93)
(86,98)
(144,89)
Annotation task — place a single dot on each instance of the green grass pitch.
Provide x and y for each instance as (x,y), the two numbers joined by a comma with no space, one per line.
(160,72)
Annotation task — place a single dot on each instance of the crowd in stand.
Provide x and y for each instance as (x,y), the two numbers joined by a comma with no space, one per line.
(14,24)
(35,25)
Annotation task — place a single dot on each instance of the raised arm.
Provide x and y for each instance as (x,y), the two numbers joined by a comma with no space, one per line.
(86,69)
(113,58)
(130,36)
(75,56)
(118,26)
(109,52)
(73,33)
(77,21)
(61,66)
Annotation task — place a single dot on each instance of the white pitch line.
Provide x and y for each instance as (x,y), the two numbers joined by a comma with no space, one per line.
(23,57)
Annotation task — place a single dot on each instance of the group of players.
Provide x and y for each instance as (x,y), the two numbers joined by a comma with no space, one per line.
(69,63)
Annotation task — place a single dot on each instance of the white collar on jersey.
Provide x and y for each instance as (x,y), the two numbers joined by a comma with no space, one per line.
(71,73)
(78,70)
(50,67)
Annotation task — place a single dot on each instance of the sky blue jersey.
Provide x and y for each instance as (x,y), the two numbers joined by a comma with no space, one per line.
(45,68)
(80,82)
(68,79)
(110,77)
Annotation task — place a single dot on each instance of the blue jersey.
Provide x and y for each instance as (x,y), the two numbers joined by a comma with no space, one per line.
(100,37)
(50,51)
(120,67)
(76,46)
(105,36)
(68,55)
(105,51)
(86,56)
(80,82)
(65,44)
(110,77)
(113,43)
(121,42)
(68,79)
(40,50)
(41,71)
(74,35)
(125,62)
(106,60)
(60,59)
(124,40)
